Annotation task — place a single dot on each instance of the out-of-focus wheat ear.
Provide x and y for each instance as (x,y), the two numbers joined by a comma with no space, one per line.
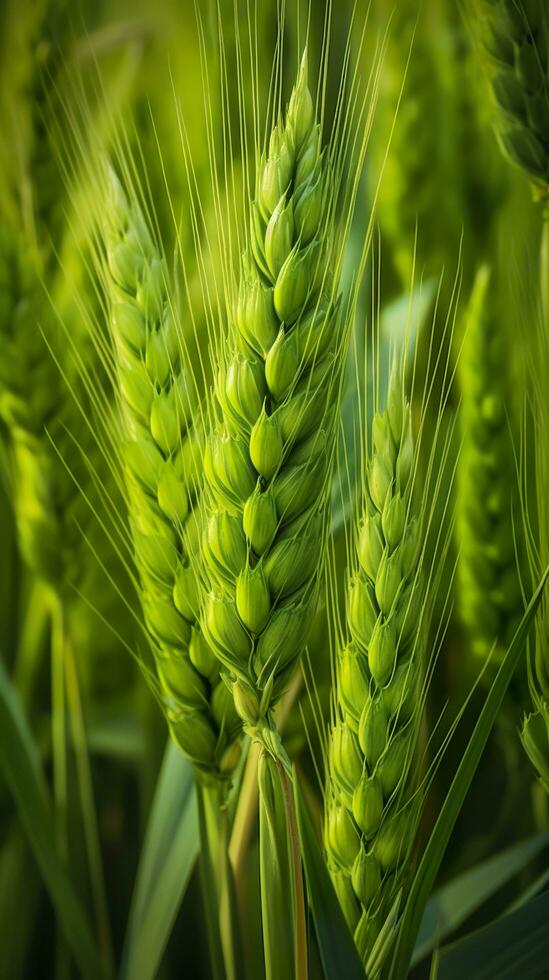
(515,37)
(487,490)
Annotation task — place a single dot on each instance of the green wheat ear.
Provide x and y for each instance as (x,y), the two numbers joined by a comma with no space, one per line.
(370,819)
(516,39)
(488,579)
(268,460)
(162,465)
(34,398)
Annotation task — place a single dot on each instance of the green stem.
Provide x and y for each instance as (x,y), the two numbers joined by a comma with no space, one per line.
(228,909)
(301,967)
(31,641)
(272,744)
(275,878)
(59,756)
(245,816)
(217,883)
(544,269)
(89,813)
(246,809)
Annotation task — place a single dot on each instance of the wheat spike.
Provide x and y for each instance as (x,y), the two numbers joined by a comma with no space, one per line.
(159,398)
(370,812)
(269,456)
(516,40)
(488,578)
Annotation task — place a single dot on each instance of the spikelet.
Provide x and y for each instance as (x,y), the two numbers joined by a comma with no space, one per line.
(159,399)
(370,818)
(488,579)
(269,457)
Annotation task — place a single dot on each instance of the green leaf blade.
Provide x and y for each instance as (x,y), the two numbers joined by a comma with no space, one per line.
(438,841)
(516,945)
(449,908)
(168,856)
(20,763)
(338,952)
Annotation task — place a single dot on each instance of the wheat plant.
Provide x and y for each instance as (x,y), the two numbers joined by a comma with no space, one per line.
(241,449)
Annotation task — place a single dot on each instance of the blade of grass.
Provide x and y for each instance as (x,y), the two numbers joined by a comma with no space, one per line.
(59,759)
(87,805)
(438,841)
(337,949)
(167,858)
(20,763)
(451,905)
(534,889)
(20,894)
(215,847)
(515,945)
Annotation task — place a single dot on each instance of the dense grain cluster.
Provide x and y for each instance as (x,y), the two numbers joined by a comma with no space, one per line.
(268,461)
(487,517)
(370,816)
(162,466)
(516,38)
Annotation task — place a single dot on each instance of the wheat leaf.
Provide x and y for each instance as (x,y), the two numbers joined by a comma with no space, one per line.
(167,859)
(449,812)
(20,763)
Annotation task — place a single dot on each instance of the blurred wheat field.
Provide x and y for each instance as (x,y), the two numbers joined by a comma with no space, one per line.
(274,430)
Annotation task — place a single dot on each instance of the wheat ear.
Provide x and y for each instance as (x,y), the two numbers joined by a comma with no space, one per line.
(370,819)
(516,40)
(161,456)
(488,578)
(269,457)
